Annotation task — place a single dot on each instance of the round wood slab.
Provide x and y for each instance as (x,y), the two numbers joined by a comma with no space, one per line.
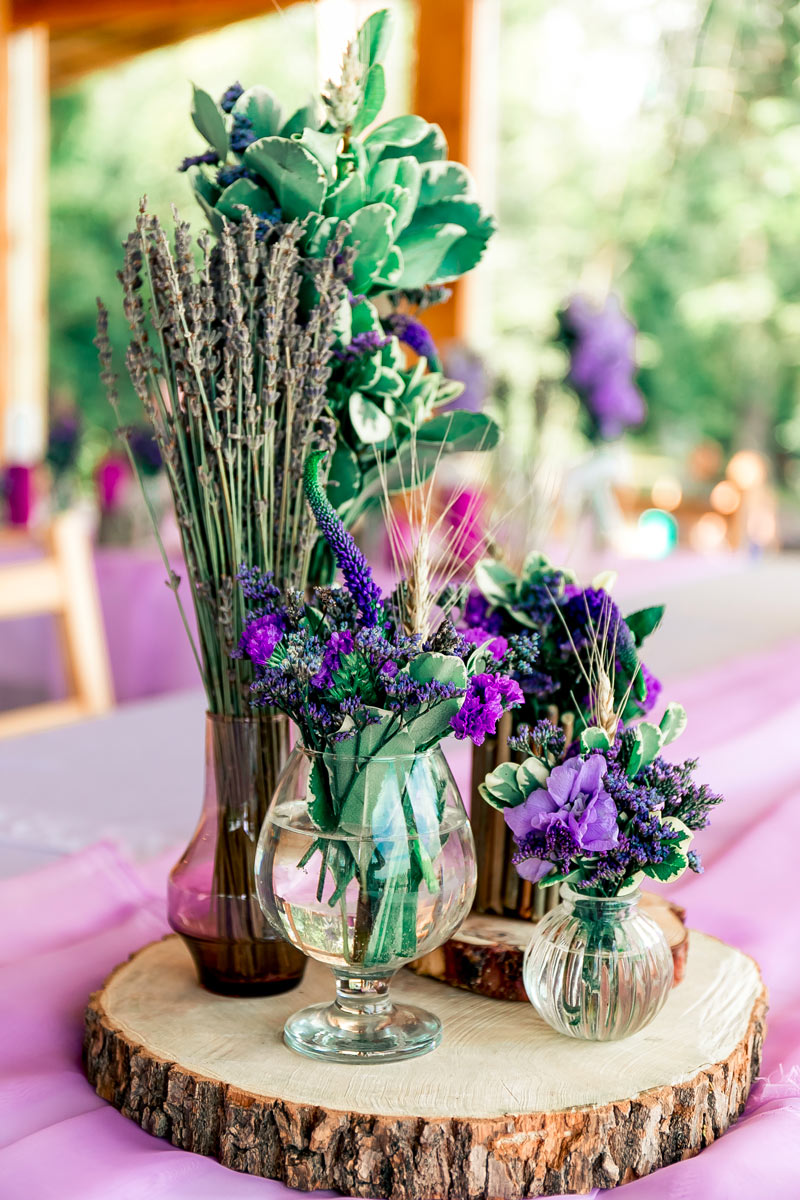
(485,955)
(504,1108)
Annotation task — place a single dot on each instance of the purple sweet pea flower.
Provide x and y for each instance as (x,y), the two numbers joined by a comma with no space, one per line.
(574,800)
(260,638)
(487,698)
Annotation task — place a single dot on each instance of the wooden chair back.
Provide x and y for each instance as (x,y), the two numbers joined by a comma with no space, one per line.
(63,584)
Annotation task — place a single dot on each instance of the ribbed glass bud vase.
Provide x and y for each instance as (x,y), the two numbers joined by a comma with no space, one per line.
(596,968)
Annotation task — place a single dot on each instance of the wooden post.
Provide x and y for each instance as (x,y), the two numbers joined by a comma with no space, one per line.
(4,129)
(442,89)
(25,410)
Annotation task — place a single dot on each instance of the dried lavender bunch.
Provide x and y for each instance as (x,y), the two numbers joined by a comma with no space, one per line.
(232,372)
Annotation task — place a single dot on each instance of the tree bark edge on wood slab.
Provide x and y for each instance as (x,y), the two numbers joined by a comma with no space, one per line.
(420,1158)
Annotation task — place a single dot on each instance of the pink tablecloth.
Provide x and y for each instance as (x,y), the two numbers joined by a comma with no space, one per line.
(62,929)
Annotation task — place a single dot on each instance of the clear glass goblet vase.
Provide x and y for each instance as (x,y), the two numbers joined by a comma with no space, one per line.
(598,969)
(365,863)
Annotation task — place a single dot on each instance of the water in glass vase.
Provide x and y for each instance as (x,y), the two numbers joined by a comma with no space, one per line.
(391,881)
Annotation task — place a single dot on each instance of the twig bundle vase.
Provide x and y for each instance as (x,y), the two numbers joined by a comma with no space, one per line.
(365,885)
(500,890)
(211,893)
(598,968)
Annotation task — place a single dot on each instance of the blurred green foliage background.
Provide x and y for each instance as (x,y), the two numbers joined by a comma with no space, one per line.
(649,146)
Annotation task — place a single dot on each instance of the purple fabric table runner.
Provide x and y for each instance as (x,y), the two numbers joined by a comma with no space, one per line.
(63,928)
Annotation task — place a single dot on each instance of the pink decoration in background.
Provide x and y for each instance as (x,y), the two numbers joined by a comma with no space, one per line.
(111,478)
(19,491)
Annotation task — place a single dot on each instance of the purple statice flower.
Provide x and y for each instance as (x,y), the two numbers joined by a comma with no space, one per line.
(349,559)
(242,133)
(230,96)
(194,160)
(411,333)
(497,646)
(589,616)
(361,345)
(266,222)
(602,344)
(487,698)
(260,637)
(575,802)
(228,175)
(477,614)
(340,642)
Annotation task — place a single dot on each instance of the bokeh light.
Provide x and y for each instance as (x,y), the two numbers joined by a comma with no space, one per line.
(747,470)
(709,533)
(667,493)
(725,498)
(657,533)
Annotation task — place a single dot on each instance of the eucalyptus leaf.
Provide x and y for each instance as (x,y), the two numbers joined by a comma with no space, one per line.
(209,121)
(345,197)
(501,787)
(324,147)
(423,252)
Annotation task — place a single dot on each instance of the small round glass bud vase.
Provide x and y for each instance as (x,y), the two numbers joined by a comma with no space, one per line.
(364,864)
(596,968)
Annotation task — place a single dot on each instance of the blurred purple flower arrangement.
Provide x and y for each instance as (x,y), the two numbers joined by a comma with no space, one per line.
(602,349)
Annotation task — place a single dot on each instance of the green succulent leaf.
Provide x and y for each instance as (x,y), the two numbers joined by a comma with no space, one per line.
(261,107)
(650,736)
(324,147)
(444,180)
(399,132)
(424,250)
(496,581)
(594,738)
(369,421)
(432,147)
(532,774)
(374,37)
(209,121)
(293,174)
(371,234)
(373,99)
(345,197)
(644,621)
(461,431)
(673,723)
(501,787)
(344,477)
(244,193)
(308,117)
(637,755)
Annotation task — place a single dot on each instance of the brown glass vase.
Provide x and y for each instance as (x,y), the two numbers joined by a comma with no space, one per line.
(500,890)
(211,895)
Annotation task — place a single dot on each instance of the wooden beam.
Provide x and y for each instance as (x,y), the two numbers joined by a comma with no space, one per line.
(442,89)
(89,14)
